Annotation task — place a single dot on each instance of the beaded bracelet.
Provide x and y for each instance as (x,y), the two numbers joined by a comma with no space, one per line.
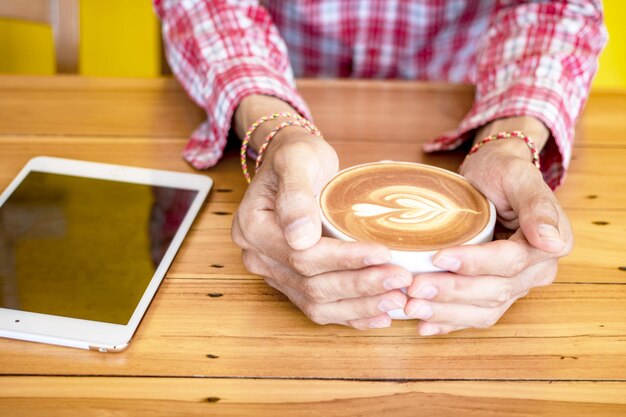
(506,135)
(248,136)
(246,140)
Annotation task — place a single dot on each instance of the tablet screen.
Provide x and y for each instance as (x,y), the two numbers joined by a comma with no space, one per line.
(84,248)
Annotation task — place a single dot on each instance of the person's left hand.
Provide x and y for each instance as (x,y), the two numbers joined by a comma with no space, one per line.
(486,279)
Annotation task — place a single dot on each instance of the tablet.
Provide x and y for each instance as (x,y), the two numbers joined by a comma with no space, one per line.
(84,247)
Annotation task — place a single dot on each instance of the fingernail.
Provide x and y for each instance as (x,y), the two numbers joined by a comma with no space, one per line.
(448,263)
(548,232)
(422,312)
(429,331)
(301,233)
(379,324)
(377,259)
(426,291)
(396,281)
(388,305)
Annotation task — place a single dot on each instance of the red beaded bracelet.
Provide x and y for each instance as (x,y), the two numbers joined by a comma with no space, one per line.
(506,135)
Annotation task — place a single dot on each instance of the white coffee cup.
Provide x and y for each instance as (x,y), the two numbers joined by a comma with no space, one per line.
(414,261)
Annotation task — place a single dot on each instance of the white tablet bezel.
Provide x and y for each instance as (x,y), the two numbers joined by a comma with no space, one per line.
(88,334)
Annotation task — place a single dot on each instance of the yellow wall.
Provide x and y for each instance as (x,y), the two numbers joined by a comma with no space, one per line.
(121,38)
(118,38)
(612,72)
(25,48)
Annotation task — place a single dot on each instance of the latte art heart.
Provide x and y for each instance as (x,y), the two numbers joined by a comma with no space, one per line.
(413,207)
(404,206)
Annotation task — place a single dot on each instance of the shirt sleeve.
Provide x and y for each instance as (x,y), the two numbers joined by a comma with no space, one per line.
(536,59)
(222,51)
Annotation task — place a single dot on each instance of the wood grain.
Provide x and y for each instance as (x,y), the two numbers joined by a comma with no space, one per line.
(409,112)
(257,332)
(597,256)
(347,110)
(595,172)
(217,340)
(599,222)
(85,106)
(35,396)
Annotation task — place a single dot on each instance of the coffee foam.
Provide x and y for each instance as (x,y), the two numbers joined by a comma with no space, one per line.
(405,206)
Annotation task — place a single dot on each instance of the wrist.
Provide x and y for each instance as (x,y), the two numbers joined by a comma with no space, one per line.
(295,137)
(515,138)
(507,152)
(277,132)
(285,138)
(533,128)
(511,148)
(254,107)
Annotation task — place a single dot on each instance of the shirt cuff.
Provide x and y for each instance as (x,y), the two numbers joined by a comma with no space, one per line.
(234,81)
(527,97)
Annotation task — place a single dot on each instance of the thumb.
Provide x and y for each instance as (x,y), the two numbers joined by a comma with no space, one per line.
(296,207)
(538,212)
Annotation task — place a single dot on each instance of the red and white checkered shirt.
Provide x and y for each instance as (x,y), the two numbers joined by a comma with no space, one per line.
(526,58)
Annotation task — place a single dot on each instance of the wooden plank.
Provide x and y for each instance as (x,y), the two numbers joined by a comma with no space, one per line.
(212,319)
(19,83)
(599,242)
(595,175)
(159,107)
(563,331)
(597,255)
(410,112)
(35,396)
(73,106)
(385,112)
(162,153)
(602,123)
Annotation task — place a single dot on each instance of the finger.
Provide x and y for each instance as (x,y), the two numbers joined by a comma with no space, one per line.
(538,211)
(501,257)
(260,230)
(256,264)
(335,255)
(481,291)
(337,285)
(296,207)
(340,312)
(237,235)
(425,328)
(377,322)
(254,223)
(455,314)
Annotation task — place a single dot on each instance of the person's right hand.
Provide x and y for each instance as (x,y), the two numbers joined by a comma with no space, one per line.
(279,230)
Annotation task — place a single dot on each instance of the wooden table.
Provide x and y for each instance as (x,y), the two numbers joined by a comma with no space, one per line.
(217,341)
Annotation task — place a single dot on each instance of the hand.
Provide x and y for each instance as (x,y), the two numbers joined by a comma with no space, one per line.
(279,229)
(486,279)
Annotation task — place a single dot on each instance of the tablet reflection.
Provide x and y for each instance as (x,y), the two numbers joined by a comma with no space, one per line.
(84,248)
(168,212)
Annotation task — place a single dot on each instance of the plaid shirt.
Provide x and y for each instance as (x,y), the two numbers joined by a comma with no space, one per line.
(526,58)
